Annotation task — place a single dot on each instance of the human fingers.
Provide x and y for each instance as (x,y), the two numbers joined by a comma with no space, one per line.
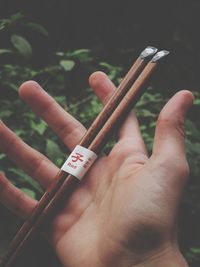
(67,128)
(14,199)
(169,142)
(31,161)
(130,140)
(102,86)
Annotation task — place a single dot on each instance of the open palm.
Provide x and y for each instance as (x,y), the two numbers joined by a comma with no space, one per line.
(125,208)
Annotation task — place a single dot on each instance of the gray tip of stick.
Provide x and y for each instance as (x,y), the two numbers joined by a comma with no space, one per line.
(159,55)
(148,52)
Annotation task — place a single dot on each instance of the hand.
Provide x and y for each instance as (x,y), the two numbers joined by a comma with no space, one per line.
(124,212)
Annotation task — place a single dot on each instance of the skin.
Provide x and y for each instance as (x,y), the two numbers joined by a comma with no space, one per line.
(124,212)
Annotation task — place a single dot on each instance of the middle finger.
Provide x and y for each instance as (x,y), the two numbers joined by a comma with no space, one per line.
(67,128)
(31,161)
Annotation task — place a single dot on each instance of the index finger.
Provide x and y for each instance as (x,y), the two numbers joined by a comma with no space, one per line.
(67,128)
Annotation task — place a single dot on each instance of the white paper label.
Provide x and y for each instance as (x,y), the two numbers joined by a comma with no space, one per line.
(79,161)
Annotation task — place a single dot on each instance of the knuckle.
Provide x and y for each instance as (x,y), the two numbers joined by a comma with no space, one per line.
(46,109)
(123,152)
(166,123)
(180,167)
(174,167)
(19,207)
(163,121)
(180,127)
(65,131)
(37,164)
(119,152)
(67,135)
(12,144)
(21,198)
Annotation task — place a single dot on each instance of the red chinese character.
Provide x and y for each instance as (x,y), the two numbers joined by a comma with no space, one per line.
(77,157)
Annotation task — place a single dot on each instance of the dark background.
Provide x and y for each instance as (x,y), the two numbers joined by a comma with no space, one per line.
(116,31)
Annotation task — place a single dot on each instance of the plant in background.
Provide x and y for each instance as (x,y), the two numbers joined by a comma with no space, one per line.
(59,77)
(18,43)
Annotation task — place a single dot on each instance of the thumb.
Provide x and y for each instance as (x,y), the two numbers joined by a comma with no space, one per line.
(169,142)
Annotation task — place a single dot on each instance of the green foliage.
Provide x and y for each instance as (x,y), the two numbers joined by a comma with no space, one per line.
(22,45)
(193,255)
(23,180)
(29,192)
(59,77)
(37,27)
(67,64)
(9,22)
(83,55)
(54,152)
(5,51)
(112,71)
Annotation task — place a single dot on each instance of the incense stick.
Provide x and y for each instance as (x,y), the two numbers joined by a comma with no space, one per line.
(68,181)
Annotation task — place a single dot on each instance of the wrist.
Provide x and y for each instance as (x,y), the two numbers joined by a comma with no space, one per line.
(173,258)
(170,257)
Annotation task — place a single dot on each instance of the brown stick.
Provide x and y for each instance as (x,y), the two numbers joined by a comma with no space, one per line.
(68,181)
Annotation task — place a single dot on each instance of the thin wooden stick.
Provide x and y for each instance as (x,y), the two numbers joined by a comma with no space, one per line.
(69,182)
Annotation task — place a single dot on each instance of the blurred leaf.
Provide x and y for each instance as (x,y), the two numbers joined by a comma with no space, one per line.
(61,100)
(84,55)
(17,16)
(5,51)
(192,130)
(23,178)
(193,254)
(195,250)
(22,45)
(106,65)
(192,148)
(13,19)
(14,87)
(3,24)
(2,156)
(113,72)
(5,113)
(60,54)
(29,192)
(146,113)
(196,102)
(39,127)
(53,151)
(80,52)
(38,28)
(67,64)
